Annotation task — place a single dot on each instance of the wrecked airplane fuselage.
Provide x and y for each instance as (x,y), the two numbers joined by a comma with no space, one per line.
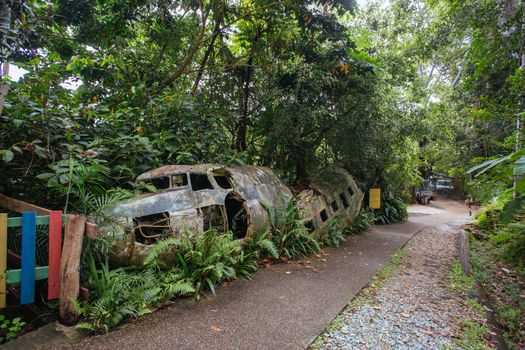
(197,198)
(333,192)
(239,199)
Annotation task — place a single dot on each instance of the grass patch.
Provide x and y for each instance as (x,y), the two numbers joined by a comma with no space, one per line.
(472,336)
(471,333)
(489,259)
(458,281)
(390,269)
(335,324)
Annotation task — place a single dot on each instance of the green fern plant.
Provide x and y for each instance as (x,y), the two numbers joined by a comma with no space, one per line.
(207,259)
(212,260)
(332,233)
(260,245)
(293,239)
(361,223)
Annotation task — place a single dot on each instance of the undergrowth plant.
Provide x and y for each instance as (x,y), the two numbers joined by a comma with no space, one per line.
(393,210)
(10,329)
(362,222)
(292,239)
(260,245)
(333,233)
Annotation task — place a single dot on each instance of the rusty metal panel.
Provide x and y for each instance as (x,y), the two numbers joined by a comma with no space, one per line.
(165,201)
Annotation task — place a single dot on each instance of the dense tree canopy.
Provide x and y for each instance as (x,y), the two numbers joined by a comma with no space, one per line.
(385,90)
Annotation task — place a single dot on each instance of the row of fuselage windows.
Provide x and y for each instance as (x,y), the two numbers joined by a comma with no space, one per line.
(335,206)
(198,181)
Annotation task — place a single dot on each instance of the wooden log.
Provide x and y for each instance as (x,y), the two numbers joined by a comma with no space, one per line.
(69,268)
(19,206)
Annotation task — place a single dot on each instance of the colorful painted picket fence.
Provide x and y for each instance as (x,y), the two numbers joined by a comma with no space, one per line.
(29,273)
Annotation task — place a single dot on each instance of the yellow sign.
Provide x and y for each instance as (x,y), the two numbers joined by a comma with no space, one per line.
(375,198)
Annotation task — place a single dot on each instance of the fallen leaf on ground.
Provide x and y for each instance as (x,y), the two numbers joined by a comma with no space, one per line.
(427,332)
(216,329)
(405,315)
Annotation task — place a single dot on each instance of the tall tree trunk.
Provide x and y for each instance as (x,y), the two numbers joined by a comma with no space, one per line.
(209,49)
(240,142)
(191,53)
(519,115)
(4,87)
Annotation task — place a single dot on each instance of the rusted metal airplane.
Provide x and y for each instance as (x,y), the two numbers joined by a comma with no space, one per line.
(240,199)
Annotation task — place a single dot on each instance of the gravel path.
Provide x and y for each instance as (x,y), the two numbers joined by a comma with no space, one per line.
(413,309)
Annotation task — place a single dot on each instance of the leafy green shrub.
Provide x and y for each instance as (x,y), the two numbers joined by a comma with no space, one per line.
(515,251)
(332,233)
(9,329)
(207,259)
(363,221)
(120,294)
(260,245)
(488,217)
(212,259)
(292,239)
(393,210)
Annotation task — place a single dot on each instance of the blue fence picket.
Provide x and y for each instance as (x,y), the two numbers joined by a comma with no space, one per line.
(27,293)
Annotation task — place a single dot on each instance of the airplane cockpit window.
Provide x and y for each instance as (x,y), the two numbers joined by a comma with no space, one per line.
(160,183)
(200,182)
(223,181)
(179,180)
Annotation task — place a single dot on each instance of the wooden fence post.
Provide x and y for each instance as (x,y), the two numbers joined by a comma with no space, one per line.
(70,267)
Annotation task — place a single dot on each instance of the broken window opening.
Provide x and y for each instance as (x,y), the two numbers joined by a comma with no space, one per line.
(350,191)
(214,217)
(160,183)
(200,182)
(323,215)
(335,206)
(179,180)
(309,226)
(223,181)
(343,199)
(237,216)
(150,229)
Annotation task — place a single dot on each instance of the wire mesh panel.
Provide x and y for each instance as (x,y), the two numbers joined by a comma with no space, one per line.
(14,243)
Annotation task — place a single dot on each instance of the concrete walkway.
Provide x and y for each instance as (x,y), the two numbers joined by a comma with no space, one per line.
(285,306)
